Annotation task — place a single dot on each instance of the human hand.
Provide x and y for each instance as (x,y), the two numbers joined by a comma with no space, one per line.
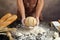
(23,21)
(37,21)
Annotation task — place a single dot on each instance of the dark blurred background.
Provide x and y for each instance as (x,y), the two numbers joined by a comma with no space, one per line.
(51,10)
(8,6)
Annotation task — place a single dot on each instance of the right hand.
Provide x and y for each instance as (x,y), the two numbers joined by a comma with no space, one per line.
(37,21)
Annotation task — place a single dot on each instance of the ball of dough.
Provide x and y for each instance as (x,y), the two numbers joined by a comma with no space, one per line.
(30,21)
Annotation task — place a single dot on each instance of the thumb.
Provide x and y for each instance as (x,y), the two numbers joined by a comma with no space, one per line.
(38,22)
(23,21)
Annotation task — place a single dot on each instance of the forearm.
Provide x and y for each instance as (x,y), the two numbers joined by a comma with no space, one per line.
(39,8)
(21,8)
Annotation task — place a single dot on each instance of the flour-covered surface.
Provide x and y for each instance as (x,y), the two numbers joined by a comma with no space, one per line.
(41,32)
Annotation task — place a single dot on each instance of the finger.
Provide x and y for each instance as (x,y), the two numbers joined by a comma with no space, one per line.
(37,22)
(23,21)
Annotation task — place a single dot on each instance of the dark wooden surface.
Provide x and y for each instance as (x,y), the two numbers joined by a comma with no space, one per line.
(51,9)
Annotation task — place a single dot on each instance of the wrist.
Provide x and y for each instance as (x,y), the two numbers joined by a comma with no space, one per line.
(37,17)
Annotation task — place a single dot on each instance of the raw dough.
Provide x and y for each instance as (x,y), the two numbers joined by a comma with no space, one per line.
(30,21)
